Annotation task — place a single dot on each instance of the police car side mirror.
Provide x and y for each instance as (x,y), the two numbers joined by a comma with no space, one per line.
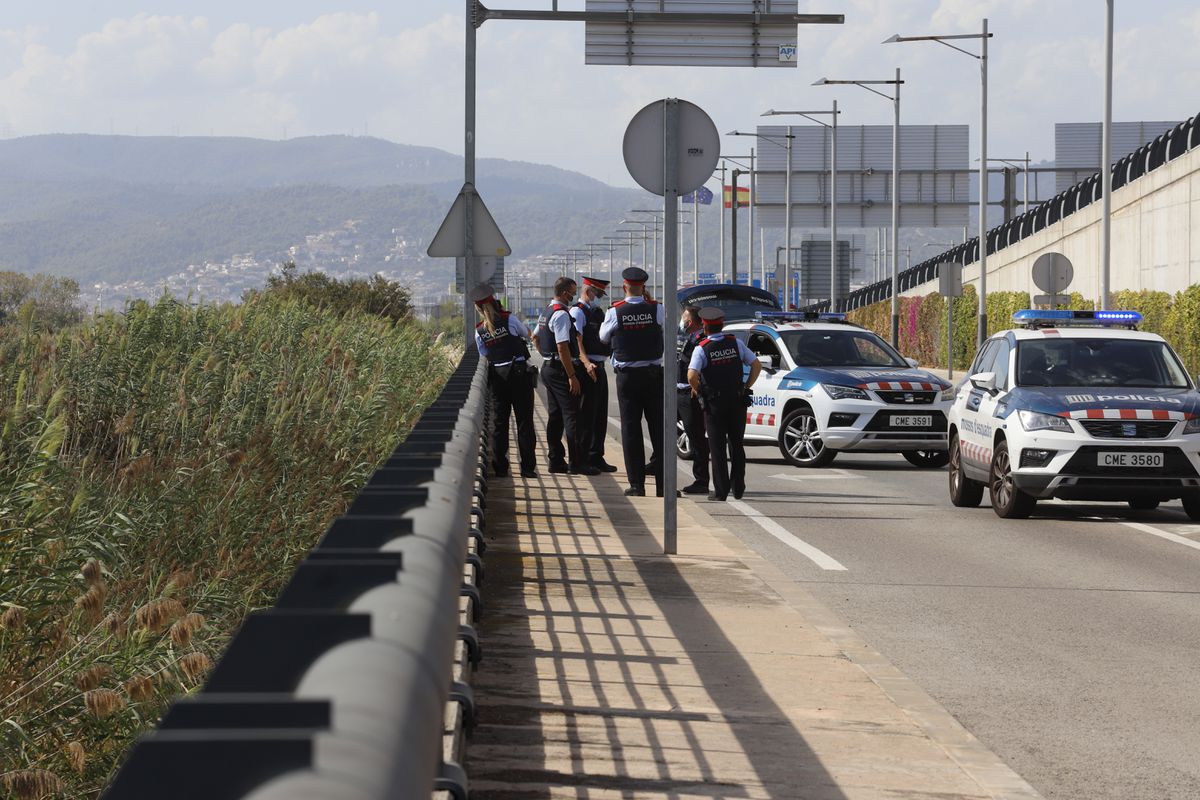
(912,362)
(768,363)
(985,381)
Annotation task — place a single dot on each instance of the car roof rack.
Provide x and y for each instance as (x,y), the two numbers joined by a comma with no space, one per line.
(1064,318)
(775,317)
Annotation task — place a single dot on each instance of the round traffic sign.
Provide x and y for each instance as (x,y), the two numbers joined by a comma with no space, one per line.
(1052,272)
(698,148)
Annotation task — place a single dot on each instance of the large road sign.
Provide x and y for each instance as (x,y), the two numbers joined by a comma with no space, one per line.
(698,148)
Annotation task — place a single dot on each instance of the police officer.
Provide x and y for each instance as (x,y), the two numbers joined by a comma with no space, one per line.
(634,328)
(715,375)
(558,343)
(690,413)
(593,353)
(500,337)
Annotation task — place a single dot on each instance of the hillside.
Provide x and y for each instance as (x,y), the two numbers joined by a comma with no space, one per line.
(132,211)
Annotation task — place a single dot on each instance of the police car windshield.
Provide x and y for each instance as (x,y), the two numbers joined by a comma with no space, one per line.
(831,348)
(1099,362)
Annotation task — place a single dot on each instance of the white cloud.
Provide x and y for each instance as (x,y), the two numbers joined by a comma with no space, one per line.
(537,101)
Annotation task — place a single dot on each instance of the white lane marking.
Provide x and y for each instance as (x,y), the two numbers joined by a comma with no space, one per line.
(1170,537)
(614,421)
(842,475)
(821,559)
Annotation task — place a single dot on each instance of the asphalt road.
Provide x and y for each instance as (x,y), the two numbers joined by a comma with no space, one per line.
(1067,643)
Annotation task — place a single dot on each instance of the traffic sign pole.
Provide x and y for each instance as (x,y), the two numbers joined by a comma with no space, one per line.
(667,459)
(469,178)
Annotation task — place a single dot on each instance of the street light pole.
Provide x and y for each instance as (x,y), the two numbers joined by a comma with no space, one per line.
(750,225)
(1106,160)
(833,242)
(721,215)
(981,331)
(787,226)
(809,115)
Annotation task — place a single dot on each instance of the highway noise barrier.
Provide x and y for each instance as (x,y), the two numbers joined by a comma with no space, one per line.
(1165,148)
(341,690)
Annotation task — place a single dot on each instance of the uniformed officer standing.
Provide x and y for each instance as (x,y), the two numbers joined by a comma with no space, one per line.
(715,374)
(690,413)
(593,353)
(558,342)
(501,338)
(634,328)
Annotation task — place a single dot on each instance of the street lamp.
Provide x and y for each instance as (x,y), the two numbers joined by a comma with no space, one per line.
(981,331)
(609,246)
(833,173)
(895,185)
(787,194)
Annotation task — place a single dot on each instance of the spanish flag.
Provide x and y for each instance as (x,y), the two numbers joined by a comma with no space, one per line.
(743,196)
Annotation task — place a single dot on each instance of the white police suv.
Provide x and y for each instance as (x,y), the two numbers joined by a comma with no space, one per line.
(1076,405)
(829,386)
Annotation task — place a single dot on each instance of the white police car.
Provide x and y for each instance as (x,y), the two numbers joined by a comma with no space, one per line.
(828,386)
(1076,405)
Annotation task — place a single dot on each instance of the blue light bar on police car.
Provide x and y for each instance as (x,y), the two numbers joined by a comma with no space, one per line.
(798,316)
(1062,316)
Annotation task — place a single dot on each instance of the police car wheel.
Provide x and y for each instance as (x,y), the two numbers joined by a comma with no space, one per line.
(1143,504)
(964,492)
(1008,501)
(927,459)
(683,445)
(800,440)
(1191,504)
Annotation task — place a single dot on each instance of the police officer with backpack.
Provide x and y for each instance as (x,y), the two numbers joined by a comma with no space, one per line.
(558,343)
(691,415)
(500,337)
(634,328)
(715,375)
(593,353)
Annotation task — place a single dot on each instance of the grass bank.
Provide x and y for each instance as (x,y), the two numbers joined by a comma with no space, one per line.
(161,472)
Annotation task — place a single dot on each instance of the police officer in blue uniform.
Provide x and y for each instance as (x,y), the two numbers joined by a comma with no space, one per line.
(593,353)
(501,338)
(558,343)
(715,375)
(634,328)
(690,412)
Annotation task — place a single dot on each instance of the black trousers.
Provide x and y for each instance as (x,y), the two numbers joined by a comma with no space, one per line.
(692,417)
(725,419)
(640,396)
(512,393)
(593,414)
(562,416)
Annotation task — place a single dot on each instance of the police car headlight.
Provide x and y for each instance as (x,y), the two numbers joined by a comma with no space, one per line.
(1037,421)
(1192,426)
(844,392)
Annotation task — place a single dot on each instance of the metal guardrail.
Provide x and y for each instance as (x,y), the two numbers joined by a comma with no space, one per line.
(340,691)
(1165,148)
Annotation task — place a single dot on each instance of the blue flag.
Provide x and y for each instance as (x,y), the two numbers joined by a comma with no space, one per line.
(703,195)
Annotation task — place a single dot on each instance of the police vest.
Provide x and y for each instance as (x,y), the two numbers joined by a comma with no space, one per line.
(545,336)
(638,336)
(592,317)
(685,354)
(501,346)
(723,373)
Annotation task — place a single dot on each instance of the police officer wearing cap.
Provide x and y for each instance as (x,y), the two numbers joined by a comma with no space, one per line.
(634,328)
(593,353)
(690,412)
(500,337)
(558,343)
(715,375)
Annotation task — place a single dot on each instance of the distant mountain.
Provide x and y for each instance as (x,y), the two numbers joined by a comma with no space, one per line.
(258,163)
(119,209)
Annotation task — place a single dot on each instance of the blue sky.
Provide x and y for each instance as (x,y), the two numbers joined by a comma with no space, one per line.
(262,68)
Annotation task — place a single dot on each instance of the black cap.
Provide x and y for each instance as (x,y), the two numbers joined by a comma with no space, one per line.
(599,284)
(481,292)
(635,275)
(711,314)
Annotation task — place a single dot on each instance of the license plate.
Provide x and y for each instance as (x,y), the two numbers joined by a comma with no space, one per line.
(1146,460)
(912,421)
